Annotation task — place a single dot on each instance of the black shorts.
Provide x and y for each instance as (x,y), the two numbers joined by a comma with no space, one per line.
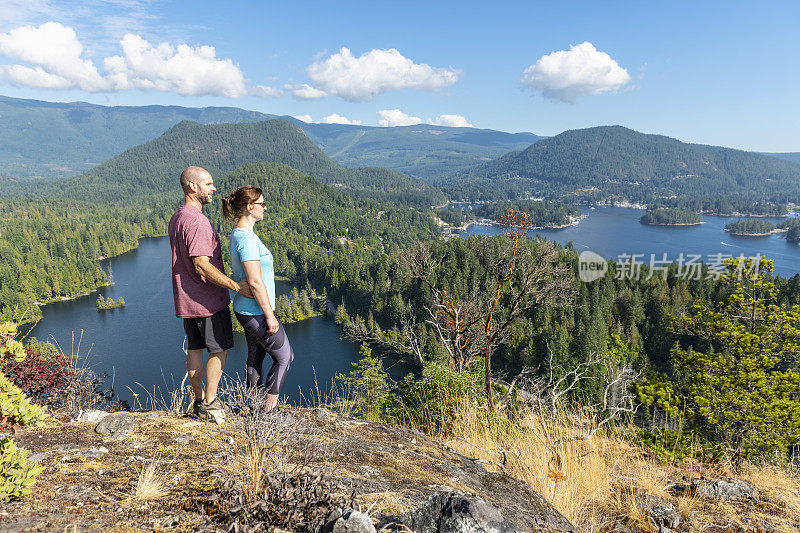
(213,332)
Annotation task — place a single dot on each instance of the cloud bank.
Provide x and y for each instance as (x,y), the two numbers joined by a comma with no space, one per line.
(333,118)
(360,79)
(454,121)
(582,70)
(53,58)
(395,117)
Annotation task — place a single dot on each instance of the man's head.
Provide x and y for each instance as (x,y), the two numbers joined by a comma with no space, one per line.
(198,184)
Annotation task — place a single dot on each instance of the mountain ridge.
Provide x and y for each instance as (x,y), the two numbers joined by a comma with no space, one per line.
(57,140)
(615,159)
(153,167)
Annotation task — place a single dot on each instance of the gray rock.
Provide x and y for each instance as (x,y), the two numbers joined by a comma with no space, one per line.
(77,493)
(723,489)
(182,439)
(91,453)
(621,528)
(457,513)
(348,521)
(116,423)
(115,437)
(91,415)
(661,513)
(325,415)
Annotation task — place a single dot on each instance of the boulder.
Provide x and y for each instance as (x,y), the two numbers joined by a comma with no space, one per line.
(91,415)
(660,512)
(348,521)
(117,424)
(453,512)
(723,489)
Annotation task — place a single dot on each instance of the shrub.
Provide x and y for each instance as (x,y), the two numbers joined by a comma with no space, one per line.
(433,400)
(17,474)
(368,387)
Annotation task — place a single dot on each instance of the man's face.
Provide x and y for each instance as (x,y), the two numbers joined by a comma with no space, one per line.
(205,189)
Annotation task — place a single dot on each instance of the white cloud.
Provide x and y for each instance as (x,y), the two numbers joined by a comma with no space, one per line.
(395,117)
(568,74)
(55,54)
(454,121)
(304,91)
(266,92)
(187,70)
(339,119)
(305,118)
(360,79)
(55,60)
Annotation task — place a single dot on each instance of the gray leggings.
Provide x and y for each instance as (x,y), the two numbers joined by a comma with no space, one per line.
(260,343)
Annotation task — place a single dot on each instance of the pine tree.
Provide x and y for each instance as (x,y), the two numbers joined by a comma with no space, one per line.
(736,384)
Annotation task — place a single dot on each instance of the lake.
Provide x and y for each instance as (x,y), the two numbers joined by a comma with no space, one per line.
(614,231)
(140,345)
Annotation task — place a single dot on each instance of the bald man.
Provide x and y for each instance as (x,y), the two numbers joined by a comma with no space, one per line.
(199,288)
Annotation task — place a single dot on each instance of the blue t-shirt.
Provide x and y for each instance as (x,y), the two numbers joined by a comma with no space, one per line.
(246,246)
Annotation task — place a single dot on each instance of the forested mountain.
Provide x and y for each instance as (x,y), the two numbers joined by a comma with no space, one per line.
(422,151)
(154,167)
(48,139)
(794,157)
(612,161)
(57,140)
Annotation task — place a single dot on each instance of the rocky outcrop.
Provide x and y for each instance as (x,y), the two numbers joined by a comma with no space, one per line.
(459,513)
(660,512)
(722,489)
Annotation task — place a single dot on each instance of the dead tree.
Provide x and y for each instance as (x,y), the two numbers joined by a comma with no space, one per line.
(520,277)
(547,394)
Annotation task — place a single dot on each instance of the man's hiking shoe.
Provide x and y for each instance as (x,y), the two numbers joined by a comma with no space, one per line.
(212,412)
(194,410)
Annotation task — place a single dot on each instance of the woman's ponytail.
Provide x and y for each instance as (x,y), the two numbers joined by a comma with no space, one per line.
(234,206)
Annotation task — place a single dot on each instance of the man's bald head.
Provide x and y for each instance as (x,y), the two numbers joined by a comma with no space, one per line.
(193,175)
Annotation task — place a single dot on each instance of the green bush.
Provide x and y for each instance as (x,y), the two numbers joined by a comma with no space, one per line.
(433,400)
(368,388)
(17,474)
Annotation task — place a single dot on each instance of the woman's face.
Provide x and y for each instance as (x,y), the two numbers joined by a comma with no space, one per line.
(257,208)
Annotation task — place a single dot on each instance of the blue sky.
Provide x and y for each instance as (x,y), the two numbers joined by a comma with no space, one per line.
(722,73)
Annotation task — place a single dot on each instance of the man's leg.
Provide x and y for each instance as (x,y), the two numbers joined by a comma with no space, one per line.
(194,367)
(214,367)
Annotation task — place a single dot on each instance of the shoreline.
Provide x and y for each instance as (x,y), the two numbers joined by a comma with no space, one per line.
(767,234)
(679,224)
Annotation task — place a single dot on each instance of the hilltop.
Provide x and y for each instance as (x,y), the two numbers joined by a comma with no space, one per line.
(158,471)
(152,167)
(613,160)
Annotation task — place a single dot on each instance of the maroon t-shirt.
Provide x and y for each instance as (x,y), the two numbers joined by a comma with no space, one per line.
(191,235)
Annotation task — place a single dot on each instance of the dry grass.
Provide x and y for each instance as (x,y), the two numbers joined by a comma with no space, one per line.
(152,484)
(585,479)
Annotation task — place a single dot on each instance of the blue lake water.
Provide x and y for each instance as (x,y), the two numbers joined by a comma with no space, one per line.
(141,343)
(613,231)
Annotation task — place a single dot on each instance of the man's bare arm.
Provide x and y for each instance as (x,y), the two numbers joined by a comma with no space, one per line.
(203,266)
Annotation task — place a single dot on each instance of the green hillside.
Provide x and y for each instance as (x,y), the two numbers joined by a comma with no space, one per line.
(55,140)
(58,140)
(153,167)
(794,157)
(616,162)
(422,151)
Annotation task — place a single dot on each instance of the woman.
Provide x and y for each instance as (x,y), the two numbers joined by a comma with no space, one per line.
(251,260)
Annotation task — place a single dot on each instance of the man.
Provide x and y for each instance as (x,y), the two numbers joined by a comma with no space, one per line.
(199,289)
